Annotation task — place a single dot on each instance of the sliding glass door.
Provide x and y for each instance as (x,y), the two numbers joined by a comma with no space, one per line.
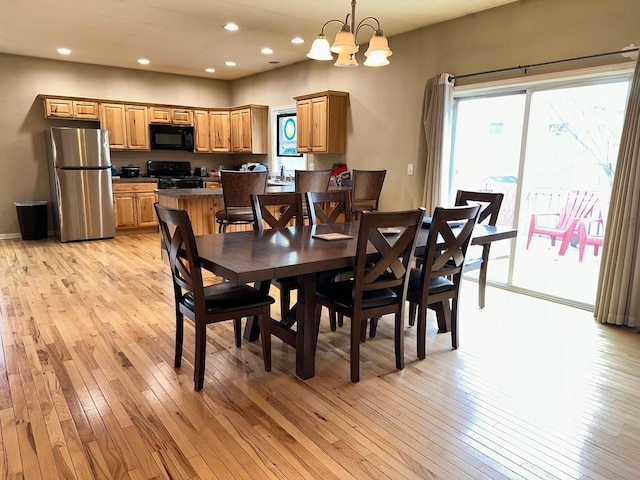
(552,152)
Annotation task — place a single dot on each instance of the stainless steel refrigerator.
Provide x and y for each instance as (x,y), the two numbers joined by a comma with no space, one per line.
(80,177)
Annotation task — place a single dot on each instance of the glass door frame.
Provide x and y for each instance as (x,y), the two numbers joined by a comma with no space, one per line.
(529,86)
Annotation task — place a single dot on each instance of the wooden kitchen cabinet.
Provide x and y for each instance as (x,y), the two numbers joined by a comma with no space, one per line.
(220,128)
(322,122)
(202,131)
(70,108)
(128,126)
(176,116)
(133,206)
(249,129)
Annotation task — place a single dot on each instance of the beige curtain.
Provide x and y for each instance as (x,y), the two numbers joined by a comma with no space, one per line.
(438,102)
(618,298)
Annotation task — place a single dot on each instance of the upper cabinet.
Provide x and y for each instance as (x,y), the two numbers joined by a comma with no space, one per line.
(69,108)
(241,129)
(128,126)
(237,130)
(176,116)
(322,122)
(249,129)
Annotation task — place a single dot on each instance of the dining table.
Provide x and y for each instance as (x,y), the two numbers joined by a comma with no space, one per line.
(250,256)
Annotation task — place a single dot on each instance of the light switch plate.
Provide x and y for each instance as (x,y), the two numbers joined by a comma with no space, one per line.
(410,169)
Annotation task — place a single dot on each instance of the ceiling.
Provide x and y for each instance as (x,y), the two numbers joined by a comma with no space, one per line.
(186,36)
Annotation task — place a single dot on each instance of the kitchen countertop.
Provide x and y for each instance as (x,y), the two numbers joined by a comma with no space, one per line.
(209,192)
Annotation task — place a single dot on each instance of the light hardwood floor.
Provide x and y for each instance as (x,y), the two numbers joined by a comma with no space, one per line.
(87,387)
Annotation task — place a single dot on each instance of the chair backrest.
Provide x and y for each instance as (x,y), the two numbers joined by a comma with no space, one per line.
(579,204)
(237,187)
(276,210)
(389,265)
(489,204)
(447,245)
(312,180)
(328,207)
(180,244)
(366,189)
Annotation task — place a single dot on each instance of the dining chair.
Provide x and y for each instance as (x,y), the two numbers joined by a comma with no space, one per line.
(326,208)
(379,285)
(439,276)
(312,180)
(202,304)
(278,210)
(237,188)
(366,189)
(489,210)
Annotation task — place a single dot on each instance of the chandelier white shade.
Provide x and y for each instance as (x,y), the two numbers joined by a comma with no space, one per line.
(345,43)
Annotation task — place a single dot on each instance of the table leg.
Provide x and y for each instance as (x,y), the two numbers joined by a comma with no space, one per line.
(306,326)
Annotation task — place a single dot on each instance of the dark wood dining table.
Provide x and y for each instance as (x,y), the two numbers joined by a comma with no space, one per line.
(245,257)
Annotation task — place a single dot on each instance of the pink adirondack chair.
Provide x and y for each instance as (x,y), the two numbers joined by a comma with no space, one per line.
(579,206)
(591,232)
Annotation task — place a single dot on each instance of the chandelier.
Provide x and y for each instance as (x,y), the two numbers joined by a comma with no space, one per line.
(345,43)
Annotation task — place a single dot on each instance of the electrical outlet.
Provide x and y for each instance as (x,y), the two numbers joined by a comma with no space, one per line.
(410,169)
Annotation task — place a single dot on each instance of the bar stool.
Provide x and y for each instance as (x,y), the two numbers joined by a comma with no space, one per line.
(237,188)
(367,186)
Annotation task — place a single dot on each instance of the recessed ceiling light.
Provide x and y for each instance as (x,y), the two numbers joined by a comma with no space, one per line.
(297,40)
(143,61)
(231,27)
(266,51)
(64,51)
(230,64)
(210,70)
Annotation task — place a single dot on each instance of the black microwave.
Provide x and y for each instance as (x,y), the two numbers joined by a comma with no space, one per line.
(171,137)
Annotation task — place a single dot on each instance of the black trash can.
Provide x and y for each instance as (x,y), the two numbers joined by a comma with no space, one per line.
(32,217)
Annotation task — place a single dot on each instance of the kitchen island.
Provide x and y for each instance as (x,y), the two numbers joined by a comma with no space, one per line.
(202,205)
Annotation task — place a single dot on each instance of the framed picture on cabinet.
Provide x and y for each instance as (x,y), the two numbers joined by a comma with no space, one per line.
(287,126)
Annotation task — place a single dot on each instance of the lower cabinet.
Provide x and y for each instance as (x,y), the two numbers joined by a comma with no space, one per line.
(133,207)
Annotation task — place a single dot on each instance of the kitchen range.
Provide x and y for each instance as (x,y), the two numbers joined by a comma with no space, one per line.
(173,174)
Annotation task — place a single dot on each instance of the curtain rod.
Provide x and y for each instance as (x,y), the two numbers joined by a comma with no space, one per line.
(526,67)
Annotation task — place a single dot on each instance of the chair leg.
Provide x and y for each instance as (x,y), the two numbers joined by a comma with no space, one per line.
(454,323)
(421,333)
(265,335)
(399,340)
(285,301)
(177,360)
(332,320)
(200,356)
(237,331)
(354,357)
(373,327)
(482,284)
(412,313)
(340,320)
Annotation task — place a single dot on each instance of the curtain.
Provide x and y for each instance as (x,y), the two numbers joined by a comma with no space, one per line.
(618,298)
(438,103)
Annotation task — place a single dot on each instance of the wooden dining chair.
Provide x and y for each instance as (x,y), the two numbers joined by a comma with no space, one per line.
(489,210)
(312,180)
(328,207)
(324,208)
(279,210)
(379,285)
(366,189)
(237,188)
(439,277)
(206,304)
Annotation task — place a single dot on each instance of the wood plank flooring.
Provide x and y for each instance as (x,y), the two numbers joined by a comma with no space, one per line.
(87,387)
